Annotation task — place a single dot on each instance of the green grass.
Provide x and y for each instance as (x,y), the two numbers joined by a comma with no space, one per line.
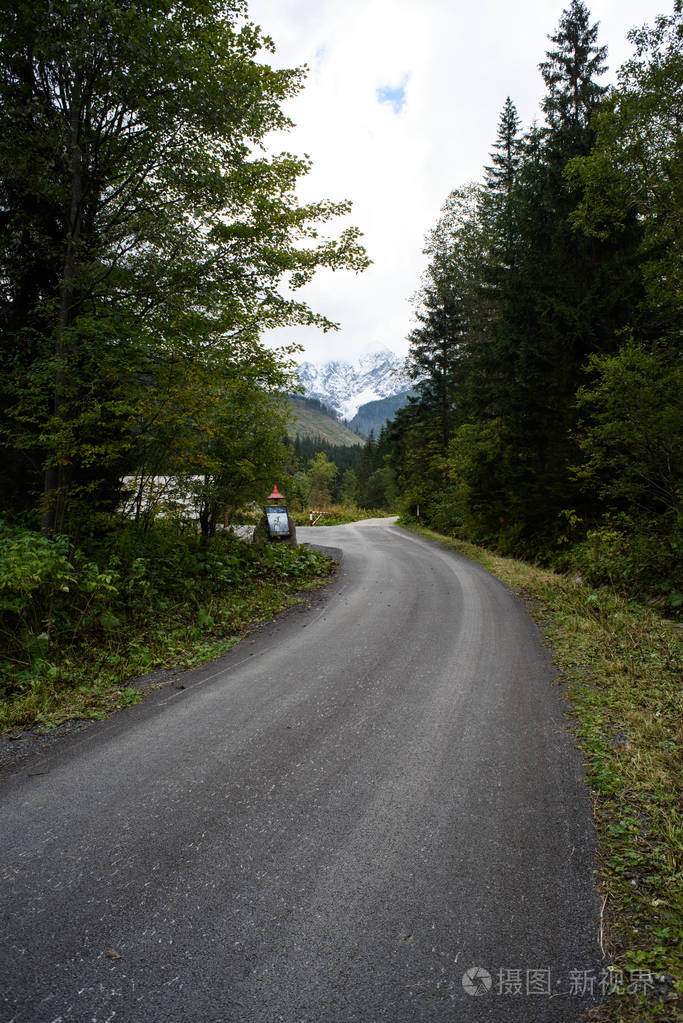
(339,515)
(309,422)
(88,674)
(621,664)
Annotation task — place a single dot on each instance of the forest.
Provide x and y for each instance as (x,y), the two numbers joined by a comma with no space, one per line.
(150,238)
(148,241)
(547,339)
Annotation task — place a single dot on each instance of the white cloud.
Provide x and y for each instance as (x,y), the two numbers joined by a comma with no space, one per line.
(452,65)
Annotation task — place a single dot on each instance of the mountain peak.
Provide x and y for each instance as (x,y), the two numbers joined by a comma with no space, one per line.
(345,386)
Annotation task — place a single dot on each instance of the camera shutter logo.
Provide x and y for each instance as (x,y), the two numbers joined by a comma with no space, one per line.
(476,981)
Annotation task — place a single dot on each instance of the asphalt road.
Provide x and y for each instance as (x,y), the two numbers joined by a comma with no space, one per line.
(331,824)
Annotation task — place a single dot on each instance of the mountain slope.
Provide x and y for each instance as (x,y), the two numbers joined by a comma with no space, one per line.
(374,414)
(310,421)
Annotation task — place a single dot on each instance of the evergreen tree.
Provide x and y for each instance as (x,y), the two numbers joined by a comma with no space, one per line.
(376,482)
(367,465)
(518,300)
(434,349)
(636,166)
(500,178)
(501,173)
(448,305)
(565,297)
(550,418)
(570,74)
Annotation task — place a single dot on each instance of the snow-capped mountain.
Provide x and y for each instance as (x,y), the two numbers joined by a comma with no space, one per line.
(345,386)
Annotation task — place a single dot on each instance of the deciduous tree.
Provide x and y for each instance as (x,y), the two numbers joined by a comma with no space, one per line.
(143,227)
(636,165)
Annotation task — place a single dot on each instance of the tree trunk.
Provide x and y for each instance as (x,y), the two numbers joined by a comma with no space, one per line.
(56,473)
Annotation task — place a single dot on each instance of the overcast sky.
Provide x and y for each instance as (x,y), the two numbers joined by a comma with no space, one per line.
(400,107)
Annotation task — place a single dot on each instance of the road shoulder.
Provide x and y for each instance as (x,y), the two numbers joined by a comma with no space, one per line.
(22,750)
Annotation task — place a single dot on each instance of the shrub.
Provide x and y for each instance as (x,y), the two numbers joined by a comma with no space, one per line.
(634,558)
(92,603)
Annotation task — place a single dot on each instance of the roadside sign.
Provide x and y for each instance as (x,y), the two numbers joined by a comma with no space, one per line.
(278,523)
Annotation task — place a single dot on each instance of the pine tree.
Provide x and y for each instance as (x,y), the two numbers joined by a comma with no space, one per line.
(515,302)
(568,296)
(500,177)
(570,74)
(636,165)
(557,298)
(434,348)
(448,304)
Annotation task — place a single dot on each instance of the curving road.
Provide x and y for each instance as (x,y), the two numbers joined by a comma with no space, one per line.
(329,825)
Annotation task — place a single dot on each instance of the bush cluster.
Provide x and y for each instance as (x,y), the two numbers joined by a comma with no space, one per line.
(56,598)
(632,558)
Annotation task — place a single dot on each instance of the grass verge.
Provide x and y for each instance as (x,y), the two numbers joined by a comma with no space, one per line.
(90,677)
(621,664)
